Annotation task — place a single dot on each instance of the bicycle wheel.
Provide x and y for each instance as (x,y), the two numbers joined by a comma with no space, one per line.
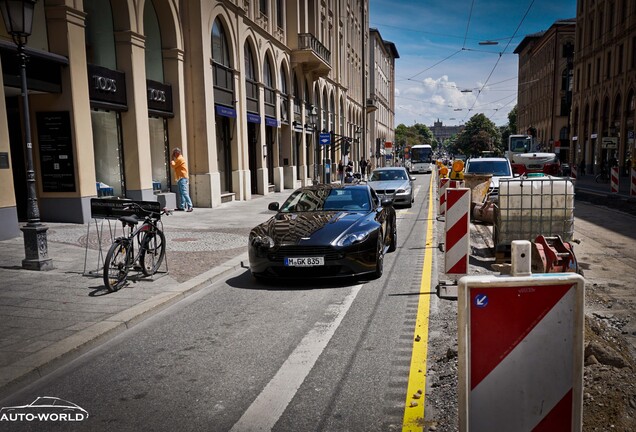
(153,250)
(116,265)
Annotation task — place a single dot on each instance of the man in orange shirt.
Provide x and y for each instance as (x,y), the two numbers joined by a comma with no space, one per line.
(181,174)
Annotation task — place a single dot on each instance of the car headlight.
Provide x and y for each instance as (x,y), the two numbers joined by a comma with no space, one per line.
(352,238)
(404,190)
(262,241)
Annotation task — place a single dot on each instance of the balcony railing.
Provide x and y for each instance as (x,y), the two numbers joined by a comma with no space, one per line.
(312,54)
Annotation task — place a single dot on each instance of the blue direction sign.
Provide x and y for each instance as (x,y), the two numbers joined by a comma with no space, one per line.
(481,300)
(325,139)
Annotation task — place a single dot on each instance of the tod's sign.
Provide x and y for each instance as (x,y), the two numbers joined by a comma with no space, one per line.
(159,97)
(107,86)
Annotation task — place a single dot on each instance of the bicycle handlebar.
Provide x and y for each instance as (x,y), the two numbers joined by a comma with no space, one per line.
(164,211)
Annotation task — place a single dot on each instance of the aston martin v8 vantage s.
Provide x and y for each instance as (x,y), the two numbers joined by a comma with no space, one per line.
(325,231)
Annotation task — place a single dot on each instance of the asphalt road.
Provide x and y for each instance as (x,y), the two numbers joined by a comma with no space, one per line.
(243,356)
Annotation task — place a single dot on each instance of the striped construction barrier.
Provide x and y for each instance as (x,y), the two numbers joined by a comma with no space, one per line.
(441,192)
(614,180)
(457,231)
(632,189)
(521,352)
(574,173)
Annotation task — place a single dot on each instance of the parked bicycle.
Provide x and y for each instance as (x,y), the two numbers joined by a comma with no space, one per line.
(148,240)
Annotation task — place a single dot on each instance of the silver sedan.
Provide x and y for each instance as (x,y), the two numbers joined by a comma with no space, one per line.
(393,182)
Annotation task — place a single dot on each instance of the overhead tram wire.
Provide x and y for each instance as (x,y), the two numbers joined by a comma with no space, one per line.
(432,66)
(470,14)
(499,58)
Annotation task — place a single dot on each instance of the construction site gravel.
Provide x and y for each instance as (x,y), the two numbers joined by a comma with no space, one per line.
(605,249)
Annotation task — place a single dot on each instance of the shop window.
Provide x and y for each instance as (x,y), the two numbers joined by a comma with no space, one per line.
(107,145)
(159,154)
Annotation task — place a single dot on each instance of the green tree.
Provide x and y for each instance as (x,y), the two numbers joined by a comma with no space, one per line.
(508,129)
(411,135)
(479,134)
(512,120)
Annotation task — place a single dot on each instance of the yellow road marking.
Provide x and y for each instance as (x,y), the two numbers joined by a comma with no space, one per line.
(414,409)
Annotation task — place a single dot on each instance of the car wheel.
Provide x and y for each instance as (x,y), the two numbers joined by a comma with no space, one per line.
(379,259)
(393,245)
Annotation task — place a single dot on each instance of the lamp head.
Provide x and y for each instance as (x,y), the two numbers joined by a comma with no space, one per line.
(18,18)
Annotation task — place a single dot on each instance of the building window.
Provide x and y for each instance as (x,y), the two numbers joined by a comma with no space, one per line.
(100,39)
(262,6)
(251,86)
(220,51)
(154,56)
(608,66)
(280,14)
(284,98)
(222,73)
(270,94)
(598,70)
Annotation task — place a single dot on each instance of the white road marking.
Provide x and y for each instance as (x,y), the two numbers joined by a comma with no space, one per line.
(270,404)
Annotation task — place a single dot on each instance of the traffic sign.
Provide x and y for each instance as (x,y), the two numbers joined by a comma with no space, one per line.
(521,352)
(325,139)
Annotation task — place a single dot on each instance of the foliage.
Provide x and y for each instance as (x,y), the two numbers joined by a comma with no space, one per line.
(512,120)
(412,135)
(509,129)
(480,134)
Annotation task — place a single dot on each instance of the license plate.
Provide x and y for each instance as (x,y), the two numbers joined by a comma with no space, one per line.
(305,261)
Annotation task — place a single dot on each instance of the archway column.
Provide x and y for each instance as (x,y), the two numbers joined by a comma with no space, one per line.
(68,26)
(135,129)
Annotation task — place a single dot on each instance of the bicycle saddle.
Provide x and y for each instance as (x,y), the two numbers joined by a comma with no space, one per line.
(133,219)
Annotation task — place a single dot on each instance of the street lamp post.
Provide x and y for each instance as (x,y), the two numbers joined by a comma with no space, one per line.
(18,20)
(313,121)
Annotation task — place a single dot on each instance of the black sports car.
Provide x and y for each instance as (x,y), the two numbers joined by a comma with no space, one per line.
(325,231)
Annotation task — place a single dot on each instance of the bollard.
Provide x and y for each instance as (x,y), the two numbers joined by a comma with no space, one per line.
(441,191)
(614,180)
(457,229)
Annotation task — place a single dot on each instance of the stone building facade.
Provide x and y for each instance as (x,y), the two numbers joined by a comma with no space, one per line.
(544,97)
(243,88)
(604,105)
(381,106)
(441,133)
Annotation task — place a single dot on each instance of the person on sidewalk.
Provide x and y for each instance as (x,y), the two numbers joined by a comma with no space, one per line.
(363,167)
(181,174)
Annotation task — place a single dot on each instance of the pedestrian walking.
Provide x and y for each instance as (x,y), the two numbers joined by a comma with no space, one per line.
(363,167)
(181,174)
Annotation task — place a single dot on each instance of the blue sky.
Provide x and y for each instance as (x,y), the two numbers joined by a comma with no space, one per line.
(440,54)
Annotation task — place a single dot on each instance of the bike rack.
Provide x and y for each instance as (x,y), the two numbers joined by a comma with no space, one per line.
(107,211)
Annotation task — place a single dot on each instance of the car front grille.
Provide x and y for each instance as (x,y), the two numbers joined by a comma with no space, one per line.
(385,191)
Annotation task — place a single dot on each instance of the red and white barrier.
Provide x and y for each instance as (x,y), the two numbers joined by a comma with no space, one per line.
(441,192)
(457,229)
(574,173)
(614,180)
(521,352)
(632,189)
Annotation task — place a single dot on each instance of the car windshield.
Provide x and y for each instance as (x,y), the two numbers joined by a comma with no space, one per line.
(310,200)
(385,175)
(496,168)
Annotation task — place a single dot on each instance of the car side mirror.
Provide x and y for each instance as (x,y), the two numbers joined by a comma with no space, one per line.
(273,206)
(386,202)
(413,178)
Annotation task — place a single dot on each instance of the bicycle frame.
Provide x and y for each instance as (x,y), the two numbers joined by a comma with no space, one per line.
(122,257)
(148,225)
